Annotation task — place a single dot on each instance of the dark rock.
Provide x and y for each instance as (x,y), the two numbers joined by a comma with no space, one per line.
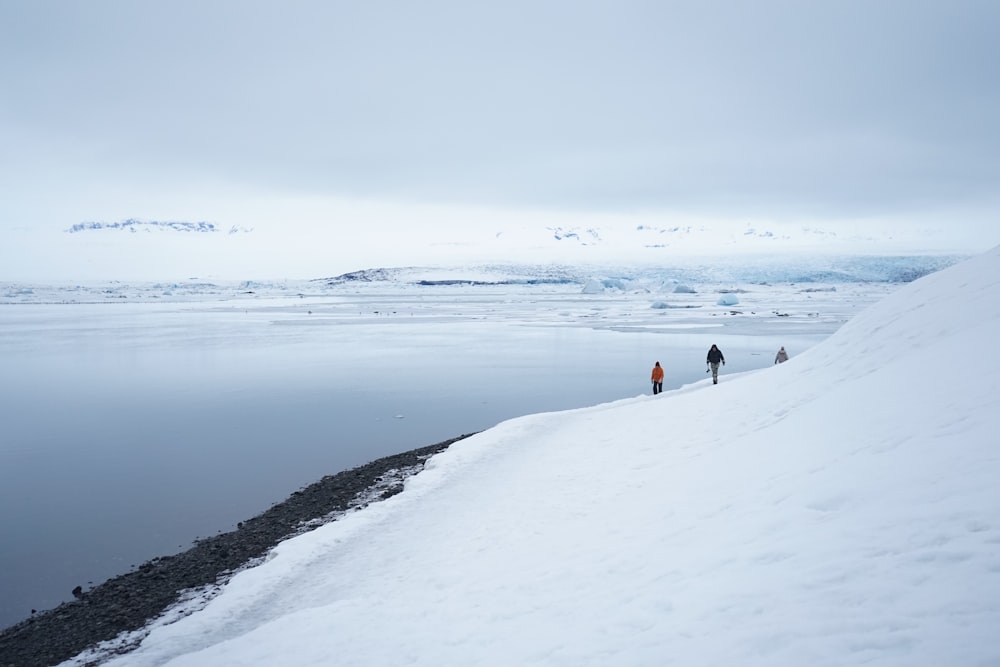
(127,602)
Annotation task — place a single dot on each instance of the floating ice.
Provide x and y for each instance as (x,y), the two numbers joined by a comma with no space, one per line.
(728,300)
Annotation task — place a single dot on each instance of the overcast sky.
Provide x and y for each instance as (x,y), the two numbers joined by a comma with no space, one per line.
(267,113)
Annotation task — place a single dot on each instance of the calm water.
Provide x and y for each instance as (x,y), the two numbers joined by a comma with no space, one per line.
(130,431)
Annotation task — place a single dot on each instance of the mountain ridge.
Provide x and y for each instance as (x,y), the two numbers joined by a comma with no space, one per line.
(134,225)
(824,269)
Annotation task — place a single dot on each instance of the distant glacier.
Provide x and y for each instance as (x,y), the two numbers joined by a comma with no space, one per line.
(133,225)
(683,272)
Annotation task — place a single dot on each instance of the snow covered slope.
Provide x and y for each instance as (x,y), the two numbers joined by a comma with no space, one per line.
(839,509)
(803,268)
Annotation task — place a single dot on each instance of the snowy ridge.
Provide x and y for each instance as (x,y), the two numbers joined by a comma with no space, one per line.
(493,274)
(837,509)
(638,236)
(716,234)
(747,269)
(660,236)
(132,225)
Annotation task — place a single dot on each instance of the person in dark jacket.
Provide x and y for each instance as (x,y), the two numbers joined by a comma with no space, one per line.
(657,378)
(713,359)
(781,357)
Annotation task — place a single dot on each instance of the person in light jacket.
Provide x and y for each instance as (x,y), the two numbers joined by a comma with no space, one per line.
(781,357)
(713,359)
(657,378)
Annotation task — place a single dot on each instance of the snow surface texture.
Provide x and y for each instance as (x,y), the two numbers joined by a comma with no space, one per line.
(838,509)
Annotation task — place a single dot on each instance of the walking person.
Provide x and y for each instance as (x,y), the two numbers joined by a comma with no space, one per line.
(781,357)
(713,360)
(657,378)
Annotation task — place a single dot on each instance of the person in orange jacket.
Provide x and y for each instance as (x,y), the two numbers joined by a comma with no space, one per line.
(657,378)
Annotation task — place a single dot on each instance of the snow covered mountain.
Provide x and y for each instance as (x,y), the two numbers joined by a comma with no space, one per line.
(774,237)
(706,270)
(132,225)
(134,249)
(837,509)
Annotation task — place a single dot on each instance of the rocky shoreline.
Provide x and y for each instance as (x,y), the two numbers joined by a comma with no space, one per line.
(128,602)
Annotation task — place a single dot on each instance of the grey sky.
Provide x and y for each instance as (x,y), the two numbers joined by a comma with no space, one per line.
(767,108)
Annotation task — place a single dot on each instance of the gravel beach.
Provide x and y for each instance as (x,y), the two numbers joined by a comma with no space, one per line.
(127,602)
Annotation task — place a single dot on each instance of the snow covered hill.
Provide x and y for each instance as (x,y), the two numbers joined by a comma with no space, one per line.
(618,235)
(740,269)
(838,509)
(133,225)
